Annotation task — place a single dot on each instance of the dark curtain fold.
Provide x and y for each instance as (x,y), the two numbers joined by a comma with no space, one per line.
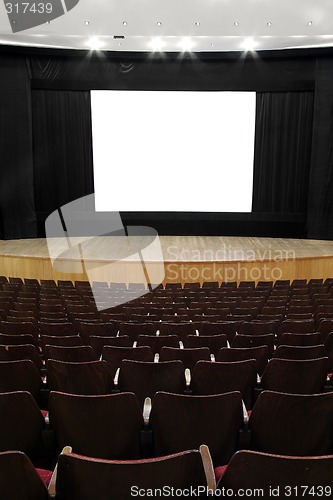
(282,151)
(62,144)
(17,209)
(320,195)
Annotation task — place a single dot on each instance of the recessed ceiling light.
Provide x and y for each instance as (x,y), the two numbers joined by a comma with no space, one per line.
(269,23)
(310,23)
(124,23)
(197,23)
(236,23)
(87,23)
(48,22)
(94,43)
(249,44)
(156,44)
(186,44)
(159,23)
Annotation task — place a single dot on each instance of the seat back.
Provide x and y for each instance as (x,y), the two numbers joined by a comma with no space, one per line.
(242,341)
(97,426)
(218,378)
(295,376)
(259,353)
(21,424)
(283,475)
(182,422)
(188,356)
(280,423)
(115,355)
(70,354)
(97,343)
(90,378)
(157,342)
(20,376)
(82,478)
(19,352)
(145,379)
(29,486)
(300,352)
(213,342)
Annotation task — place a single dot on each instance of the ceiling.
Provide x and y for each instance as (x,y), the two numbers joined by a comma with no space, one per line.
(181,25)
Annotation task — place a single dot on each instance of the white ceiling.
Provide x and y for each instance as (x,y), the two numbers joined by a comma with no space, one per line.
(178,29)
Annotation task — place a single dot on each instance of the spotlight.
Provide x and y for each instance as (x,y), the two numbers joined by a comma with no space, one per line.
(249,44)
(156,44)
(186,44)
(94,43)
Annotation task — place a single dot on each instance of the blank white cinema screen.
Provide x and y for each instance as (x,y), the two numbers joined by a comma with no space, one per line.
(173,151)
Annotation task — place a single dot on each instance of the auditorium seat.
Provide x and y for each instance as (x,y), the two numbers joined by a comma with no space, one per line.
(213,342)
(172,318)
(97,426)
(6,339)
(68,341)
(22,427)
(189,356)
(182,330)
(114,355)
(228,328)
(300,339)
(325,327)
(20,376)
(300,352)
(244,341)
(19,479)
(259,353)
(97,343)
(19,328)
(283,476)
(257,327)
(218,378)
(20,352)
(78,476)
(133,330)
(59,329)
(294,326)
(181,422)
(295,376)
(156,342)
(90,378)
(70,354)
(292,424)
(145,379)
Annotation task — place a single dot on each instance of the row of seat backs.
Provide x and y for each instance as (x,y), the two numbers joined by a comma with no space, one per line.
(111,426)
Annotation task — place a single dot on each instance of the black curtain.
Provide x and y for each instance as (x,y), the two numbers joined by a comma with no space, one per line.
(17,209)
(62,146)
(282,151)
(320,196)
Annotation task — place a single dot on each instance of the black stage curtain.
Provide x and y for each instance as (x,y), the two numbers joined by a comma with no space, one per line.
(320,197)
(282,151)
(62,140)
(17,207)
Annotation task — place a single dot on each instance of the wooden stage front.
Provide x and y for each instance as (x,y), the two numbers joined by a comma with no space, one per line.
(170,259)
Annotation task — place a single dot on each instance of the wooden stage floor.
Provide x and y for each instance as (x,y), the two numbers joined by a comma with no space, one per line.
(168,259)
